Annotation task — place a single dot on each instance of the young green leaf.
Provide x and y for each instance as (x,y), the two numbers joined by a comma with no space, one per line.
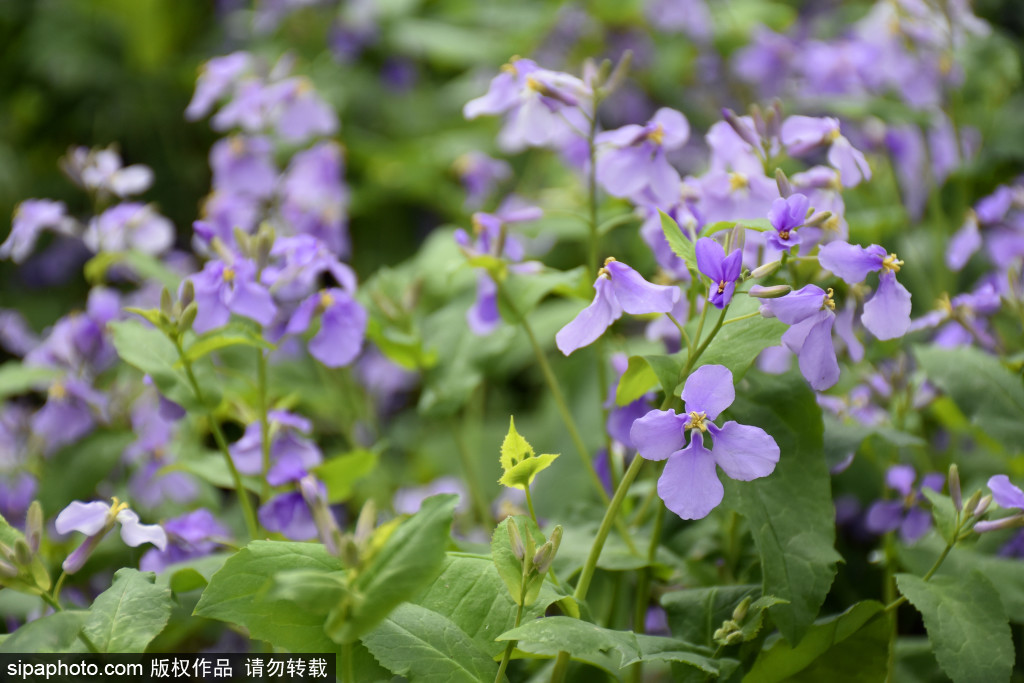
(129,614)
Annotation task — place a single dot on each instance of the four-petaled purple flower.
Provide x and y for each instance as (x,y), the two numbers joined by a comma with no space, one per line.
(194,534)
(887,313)
(343,323)
(634,160)
(801,134)
(223,289)
(291,455)
(786,216)
(689,485)
(619,288)
(810,313)
(904,514)
(723,270)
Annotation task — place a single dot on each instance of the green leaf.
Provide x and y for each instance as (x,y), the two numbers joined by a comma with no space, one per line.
(221,338)
(54,633)
(526,290)
(129,614)
(425,646)
(144,265)
(986,391)
(966,625)
(237,594)
(16,378)
(791,515)
(943,512)
(636,381)
(514,448)
(190,575)
(737,345)
(694,614)
(682,245)
(510,567)
(308,589)
(404,348)
(341,473)
(409,560)
(846,648)
(518,460)
(591,643)
(758,224)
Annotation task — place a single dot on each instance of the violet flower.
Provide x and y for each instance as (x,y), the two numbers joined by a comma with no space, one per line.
(289,515)
(632,158)
(244,165)
(810,313)
(619,288)
(291,455)
(189,536)
(101,171)
(1006,495)
(31,218)
(314,197)
(887,312)
(95,519)
(905,514)
(127,226)
(723,270)
(689,484)
(343,323)
(479,175)
(786,216)
(217,77)
(222,289)
(801,134)
(621,418)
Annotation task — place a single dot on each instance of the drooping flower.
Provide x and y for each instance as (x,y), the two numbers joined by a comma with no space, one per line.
(887,312)
(810,313)
(689,484)
(619,289)
(95,519)
(723,270)
(1008,496)
(632,158)
(905,514)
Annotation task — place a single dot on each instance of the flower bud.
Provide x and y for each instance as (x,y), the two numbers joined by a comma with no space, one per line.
(543,558)
(365,523)
(7,571)
(34,526)
(188,293)
(188,316)
(817,219)
(7,553)
(556,537)
(243,241)
(785,187)
(740,613)
(515,540)
(741,128)
(954,486)
(22,553)
(983,506)
(733,638)
(773,292)
(766,269)
(166,304)
(737,238)
(1011,522)
(972,504)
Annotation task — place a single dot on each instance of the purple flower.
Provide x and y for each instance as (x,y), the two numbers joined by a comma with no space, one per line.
(689,17)
(223,289)
(217,77)
(69,413)
(407,501)
(621,418)
(314,198)
(289,514)
(298,111)
(95,519)
(887,313)
(633,157)
(343,323)
(619,288)
(1006,495)
(801,134)
(131,225)
(244,165)
(31,218)
(723,270)
(810,313)
(905,514)
(480,174)
(786,216)
(291,455)
(689,485)
(299,266)
(189,536)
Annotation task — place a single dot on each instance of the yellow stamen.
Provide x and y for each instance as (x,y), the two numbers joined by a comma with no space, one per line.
(697,421)
(58,391)
(510,67)
(721,286)
(784,235)
(738,181)
(945,304)
(829,301)
(657,135)
(533,84)
(604,272)
(478,227)
(229,274)
(832,135)
(326,300)
(892,263)
(116,507)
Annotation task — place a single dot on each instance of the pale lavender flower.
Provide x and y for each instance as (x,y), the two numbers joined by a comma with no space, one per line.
(905,514)
(1005,495)
(632,158)
(289,514)
(217,78)
(192,535)
(70,412)
(291,454)
(479,175)
(297,110)
(101,171)
(689,484)
(95,519)
(244,165)
(723,270)
(343,322)
(314,198)
(299,266)
(129,226)
(407,501)
(223,289)
(801,134)
(887,313)
(621,418)
(31,218)
(619,289)
(689,17)
(810,313)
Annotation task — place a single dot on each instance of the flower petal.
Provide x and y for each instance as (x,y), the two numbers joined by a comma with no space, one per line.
(659,434)
(342,329)
(709,389)
(689,485)
(884,516)
(915,525)
(887,314)
(638,296)
(592,321)
(88,518)
(135,534)
(1004,493)
(744,452)
(901,478)
(817,356)
(851,262)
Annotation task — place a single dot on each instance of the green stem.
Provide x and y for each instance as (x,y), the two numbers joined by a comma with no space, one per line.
(700,349)
(509,648)
(483,511)
(350,669)
(682,333)
(222,444)
(261,389)
(643,587)
(742,317)
(583,585)
(529,504)
(54,599)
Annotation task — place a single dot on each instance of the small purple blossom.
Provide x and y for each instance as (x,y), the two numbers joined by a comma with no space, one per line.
(632,158)
(131,225)
(786,216)
(887,312)
(801,134)
(619,289)
(244,165)
(689,484)
(291,454)
(222,289)
(723,270)
(101,171)
(194,534)
(1008,496)
(314,197)
(31,218)
(95,519)
(289,514)
(810,313)
(343,322)
(479,175)
(905,514)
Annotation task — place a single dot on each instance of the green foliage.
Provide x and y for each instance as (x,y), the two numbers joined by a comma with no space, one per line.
(790,512)
(943,512)
(142,264)
(235,334)
(682,245)
(52,633)
(423,645)
(509,566)
(238,593)
(737,345)
(518,460)
(409,560)
(525,290)
(341,473)
(129,614)
(32,578)
(847,648)
(16,379)
(966,625)
(695,613)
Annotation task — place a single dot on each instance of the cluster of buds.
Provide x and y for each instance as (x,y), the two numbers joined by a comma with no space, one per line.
(20,567)
(534,562)
(732,630)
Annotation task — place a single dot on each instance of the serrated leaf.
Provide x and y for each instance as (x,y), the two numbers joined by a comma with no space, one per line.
(514,448)
(408,561)
(682,246)
(522,474)
(425,646)
(237,594)
(966,625)
(129,614)
(510,567)
(943,512)
(16,378)
(791,515)
(341,473)
(846,648)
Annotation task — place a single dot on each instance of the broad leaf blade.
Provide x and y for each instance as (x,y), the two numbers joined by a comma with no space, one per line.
(129,614)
